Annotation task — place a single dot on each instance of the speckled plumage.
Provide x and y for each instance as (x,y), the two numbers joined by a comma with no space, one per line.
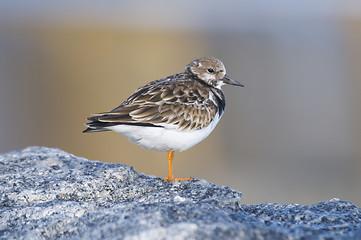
(180,103)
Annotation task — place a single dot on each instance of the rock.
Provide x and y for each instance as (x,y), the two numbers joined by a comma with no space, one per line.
(49,194)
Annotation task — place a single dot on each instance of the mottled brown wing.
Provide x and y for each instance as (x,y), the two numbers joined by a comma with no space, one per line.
(174,103)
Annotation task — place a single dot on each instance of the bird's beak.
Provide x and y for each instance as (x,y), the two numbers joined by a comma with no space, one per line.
(230,81)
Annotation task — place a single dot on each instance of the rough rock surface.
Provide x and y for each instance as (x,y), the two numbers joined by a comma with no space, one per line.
(50,194)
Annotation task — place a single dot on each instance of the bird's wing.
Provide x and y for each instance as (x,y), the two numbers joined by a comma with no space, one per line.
(172,105)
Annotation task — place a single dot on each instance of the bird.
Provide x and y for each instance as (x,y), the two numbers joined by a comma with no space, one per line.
(171,114)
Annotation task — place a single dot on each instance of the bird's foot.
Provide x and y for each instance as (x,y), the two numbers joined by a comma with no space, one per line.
(172,179)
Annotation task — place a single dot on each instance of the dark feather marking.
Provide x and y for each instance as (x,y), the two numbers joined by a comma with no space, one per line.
(113,118)
(166,93)
(155,98)
(220,99)
(144,112)
(97,126)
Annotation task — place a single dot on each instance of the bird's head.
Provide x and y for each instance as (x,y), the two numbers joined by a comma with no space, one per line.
(212,71)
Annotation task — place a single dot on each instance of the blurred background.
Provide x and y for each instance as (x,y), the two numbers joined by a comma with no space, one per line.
(292,135)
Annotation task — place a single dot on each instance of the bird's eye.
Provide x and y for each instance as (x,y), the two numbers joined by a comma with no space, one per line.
(210,70)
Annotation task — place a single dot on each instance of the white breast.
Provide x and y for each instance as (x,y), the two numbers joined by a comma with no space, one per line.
(163,139)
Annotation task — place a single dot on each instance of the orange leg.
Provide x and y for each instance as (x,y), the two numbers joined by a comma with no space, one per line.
(170,177)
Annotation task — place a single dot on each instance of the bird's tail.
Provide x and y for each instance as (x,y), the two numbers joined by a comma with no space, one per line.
(97,126)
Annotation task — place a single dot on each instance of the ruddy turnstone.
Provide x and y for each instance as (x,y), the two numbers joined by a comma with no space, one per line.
(173,113)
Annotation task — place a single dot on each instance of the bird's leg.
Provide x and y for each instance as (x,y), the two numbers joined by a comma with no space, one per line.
(170,177)
(170,166)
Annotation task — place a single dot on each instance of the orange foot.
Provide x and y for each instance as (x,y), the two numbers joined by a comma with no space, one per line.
(170,177)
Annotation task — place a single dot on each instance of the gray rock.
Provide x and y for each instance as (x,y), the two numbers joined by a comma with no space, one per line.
(50,194)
